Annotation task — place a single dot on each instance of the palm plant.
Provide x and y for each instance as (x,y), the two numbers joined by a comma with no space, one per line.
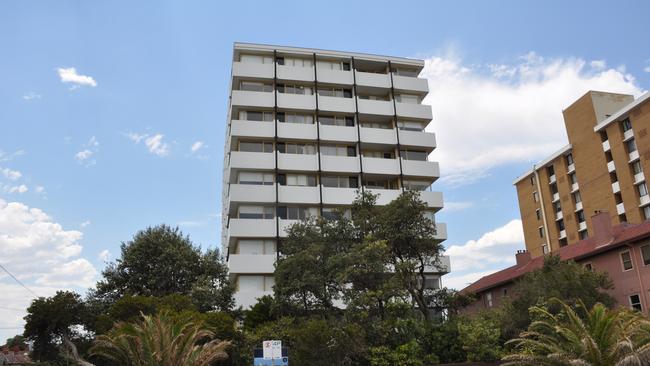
(583,337)
(160,340)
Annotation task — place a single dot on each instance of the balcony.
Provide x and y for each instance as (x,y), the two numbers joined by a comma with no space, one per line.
(296,194)
(285,225)
(385,196)
(416,168)
(338,133)
(574,187)
(298,162)
(555,197)
(443,266)
(620,208)
(562,234)
(335,76)
(243,98)
(378,136)
(616,187)
(298,131)
(240,128)
(252,193)
(339,164)
(380,166)
(373,79)
(286,72)
(246,299)
(252,160)
(582,226)
(552,179)
(559,215)
(639,177)
(571,168)
(410,83)
(634,155)
(419,111)
(251,228)
(441,231)
(338,196)
(606,146)
(644,200)
(417,139)
(432,199)
(251,263)
(296,101)
(252,70)
(628,135)
(578,206)
(611,166)
(336,104)
(375,107)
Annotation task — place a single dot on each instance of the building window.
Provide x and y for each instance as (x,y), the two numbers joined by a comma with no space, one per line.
(626,260)
(488,299)
(295,62)
(256,212)
(535,196)
(643,189)
(576,197)
(294,89)
(256,59)
(251,146)
(626,124)
(296,212)
(414,155)
(295,118)
(297,180)
(541,231)
(255,86)
(333,65)
(560,225)
(335,92)
(417,185)
(637,168)
(545,248)
(589,267)
(255,246)
(538,213)
(580,216)
(631,146)
(550,170)
(294,148)
(569,159)
(646,212)
(532,180)
(256,178)
(557,206)
(407,98)
(411,126)
(505,292)
(635,302)
(256,116)
(335,181)
(645,254)
(572,178)
(336,121)
(583,234)
(338,150)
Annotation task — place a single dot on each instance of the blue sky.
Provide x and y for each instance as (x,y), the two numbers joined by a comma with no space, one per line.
(104,150)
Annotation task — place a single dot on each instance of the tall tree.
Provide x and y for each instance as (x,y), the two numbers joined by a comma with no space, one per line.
(159,261)
(51,320)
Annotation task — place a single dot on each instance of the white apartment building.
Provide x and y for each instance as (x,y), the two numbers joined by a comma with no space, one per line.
(307,128)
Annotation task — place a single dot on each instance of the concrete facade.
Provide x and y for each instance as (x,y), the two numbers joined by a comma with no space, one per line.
(601,169)
(306,129)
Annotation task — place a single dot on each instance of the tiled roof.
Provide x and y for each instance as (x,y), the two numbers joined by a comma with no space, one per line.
(583,249)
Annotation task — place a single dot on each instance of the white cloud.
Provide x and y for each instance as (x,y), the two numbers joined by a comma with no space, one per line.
(89,149)
(486,116)
(156,145)
(598,64)
(69,75)
(39,190)
(15,189)
(457,206)
(32,95)
(10,174)
(105,255)
(496,247)
(85,223)
(190,223)
(39,251)
(10,156)
(197,146)
(647,69)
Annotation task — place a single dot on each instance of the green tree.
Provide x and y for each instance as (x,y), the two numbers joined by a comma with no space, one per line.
(51,320)
(565,280)
(160,261)
(160,340)
(263,311)
(480,337)
(583,336)
(408,354)
(16,341)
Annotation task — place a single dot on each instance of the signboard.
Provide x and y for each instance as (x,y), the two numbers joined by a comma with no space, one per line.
(272,350)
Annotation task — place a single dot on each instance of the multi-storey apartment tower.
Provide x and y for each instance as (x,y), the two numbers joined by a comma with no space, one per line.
(306,129)
(601,169)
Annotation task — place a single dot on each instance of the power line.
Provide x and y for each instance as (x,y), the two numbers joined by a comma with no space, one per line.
(17,280)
